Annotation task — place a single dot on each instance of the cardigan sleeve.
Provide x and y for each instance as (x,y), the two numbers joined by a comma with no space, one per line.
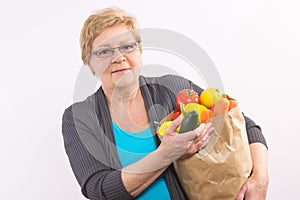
(254,132)
(97,180)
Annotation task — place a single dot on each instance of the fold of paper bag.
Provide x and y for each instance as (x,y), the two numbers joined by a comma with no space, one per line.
(220,169)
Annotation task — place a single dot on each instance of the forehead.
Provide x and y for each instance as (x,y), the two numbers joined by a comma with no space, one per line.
(113,36)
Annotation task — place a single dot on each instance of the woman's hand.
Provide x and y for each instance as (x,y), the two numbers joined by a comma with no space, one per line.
(203,134)
(256,186)
(175,146)
(139,175)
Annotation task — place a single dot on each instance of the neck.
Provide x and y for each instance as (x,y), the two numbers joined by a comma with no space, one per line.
(122,95)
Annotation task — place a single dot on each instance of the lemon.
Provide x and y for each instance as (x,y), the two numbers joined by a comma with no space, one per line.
(178,128)
(210,96)
(197,107)
(162,128)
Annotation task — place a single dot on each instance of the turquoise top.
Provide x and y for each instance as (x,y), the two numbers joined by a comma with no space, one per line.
(132,147)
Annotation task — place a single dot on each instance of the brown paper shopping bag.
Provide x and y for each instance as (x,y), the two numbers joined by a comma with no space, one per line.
(220,169)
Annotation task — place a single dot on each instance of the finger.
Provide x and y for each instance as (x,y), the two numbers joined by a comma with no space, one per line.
(242,192)
(196,147)
(200,137)
(200,143)
(173,126)
(203,129)
(192,149)
(207,127)
(204,143)
(188,136)
(210,131)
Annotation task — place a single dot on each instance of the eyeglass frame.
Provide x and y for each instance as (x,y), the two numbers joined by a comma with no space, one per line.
(118,47)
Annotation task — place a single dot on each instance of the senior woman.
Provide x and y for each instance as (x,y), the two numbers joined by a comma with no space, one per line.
(110,137)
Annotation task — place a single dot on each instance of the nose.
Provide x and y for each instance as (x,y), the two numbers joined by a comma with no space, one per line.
(118,57)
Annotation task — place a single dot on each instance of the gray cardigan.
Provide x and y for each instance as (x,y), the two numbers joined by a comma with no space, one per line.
(90,145)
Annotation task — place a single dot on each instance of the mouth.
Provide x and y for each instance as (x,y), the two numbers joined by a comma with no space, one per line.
(121,71)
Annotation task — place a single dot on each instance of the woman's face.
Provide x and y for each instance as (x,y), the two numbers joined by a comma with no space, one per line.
(116,67)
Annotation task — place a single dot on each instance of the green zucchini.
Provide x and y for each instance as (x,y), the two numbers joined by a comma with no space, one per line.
(189,122)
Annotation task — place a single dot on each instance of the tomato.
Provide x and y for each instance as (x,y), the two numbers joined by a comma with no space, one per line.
(187,96)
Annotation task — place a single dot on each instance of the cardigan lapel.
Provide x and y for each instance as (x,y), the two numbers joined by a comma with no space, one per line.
(105,121)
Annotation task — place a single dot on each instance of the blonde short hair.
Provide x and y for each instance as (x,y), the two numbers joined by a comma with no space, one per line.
(98,21)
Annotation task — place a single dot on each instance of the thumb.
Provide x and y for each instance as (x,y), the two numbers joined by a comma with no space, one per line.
(242,192)
(173,126)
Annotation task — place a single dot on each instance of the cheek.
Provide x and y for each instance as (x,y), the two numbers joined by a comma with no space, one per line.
(104,73)
(136,60)
(99,67)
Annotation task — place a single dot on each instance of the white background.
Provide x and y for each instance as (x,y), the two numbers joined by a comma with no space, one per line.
(255,46)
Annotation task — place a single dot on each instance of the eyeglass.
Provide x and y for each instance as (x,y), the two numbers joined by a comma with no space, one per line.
(124,48)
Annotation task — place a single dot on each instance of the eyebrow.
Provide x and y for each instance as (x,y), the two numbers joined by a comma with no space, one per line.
(105,45)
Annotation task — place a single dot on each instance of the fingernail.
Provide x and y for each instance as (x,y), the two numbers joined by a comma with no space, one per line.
(179,117)
(202,126)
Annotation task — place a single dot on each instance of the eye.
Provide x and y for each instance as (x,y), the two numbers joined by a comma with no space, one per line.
(104,52)
(128,47)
